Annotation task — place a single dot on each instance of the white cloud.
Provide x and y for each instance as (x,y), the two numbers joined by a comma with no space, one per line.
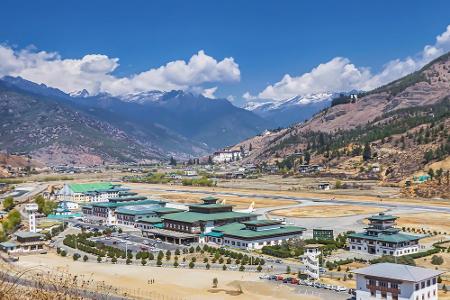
(339,74)
(230,98)
(247,96)
(94,72)
(209,93)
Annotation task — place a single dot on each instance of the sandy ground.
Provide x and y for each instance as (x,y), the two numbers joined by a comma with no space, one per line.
(169,283)
(427,220)
(324,211)
(239,202)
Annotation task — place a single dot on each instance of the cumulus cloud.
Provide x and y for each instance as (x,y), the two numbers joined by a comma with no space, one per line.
(93,72)
(209,93)
(339,74)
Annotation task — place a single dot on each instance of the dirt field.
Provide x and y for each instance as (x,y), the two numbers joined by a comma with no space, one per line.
(326,211)
(439,222)
(239,202)
(169,283)
(260,189)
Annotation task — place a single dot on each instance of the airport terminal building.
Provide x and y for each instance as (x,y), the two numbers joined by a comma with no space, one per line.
(381,237)
(253,234)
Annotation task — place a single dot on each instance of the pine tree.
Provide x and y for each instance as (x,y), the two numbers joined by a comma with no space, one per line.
(367,152)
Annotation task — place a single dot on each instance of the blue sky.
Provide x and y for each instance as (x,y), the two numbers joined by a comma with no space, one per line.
(265,39)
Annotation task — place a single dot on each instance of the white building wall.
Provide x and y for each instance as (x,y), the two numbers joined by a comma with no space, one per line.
(407,290)
(383,250)
(257,243)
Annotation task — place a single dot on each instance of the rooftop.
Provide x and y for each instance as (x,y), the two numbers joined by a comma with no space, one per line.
(138,209)
(398,271)
(167,210)
(259,223)
(214,205)
(390,238)
(126,203)
(191,217)
(382,217)
(26,234)
(150,220)
(91,187)
(239,230)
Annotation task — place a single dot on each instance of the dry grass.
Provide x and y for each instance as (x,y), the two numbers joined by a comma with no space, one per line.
(439,222)
(326,211)
(239,202)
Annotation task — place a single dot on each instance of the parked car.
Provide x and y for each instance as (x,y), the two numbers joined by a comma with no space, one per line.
(341,289)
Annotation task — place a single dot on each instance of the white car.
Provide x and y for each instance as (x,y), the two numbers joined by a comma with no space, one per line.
(341,289)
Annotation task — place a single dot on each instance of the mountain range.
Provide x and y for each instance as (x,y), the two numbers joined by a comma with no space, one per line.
(292,110)
(58,127)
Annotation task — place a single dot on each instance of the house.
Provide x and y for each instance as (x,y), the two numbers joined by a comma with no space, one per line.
(24,242)
(396,282)
(421,178)
(226,156)
(190,173)
(89,192)
(381,237)
(189,226)
(376,168)
(253,234)
(325,186)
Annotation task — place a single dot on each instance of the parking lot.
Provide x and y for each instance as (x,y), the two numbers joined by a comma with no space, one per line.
(309,288)
(135,243)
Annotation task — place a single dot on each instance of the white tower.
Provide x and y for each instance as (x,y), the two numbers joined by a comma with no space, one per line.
(31,209)
(311,260)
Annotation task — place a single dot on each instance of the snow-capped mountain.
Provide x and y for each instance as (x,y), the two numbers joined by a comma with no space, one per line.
(292,110)
(80,94)
(143,97)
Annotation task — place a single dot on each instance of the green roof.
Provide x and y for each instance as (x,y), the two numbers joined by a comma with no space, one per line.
(382,217)
(168,210)
(239,230)
(90,187)
(26,234)
(214,234)
(150,220)
(262,222)
(190,217)
(210,198)
(389,238)
(215,205)
(8,245)
(137,210)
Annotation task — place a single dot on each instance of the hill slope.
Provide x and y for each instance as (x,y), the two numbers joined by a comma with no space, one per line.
(397,110)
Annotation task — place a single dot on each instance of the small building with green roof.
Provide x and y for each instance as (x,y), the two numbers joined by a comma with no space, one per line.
(253,234)
(381,237)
